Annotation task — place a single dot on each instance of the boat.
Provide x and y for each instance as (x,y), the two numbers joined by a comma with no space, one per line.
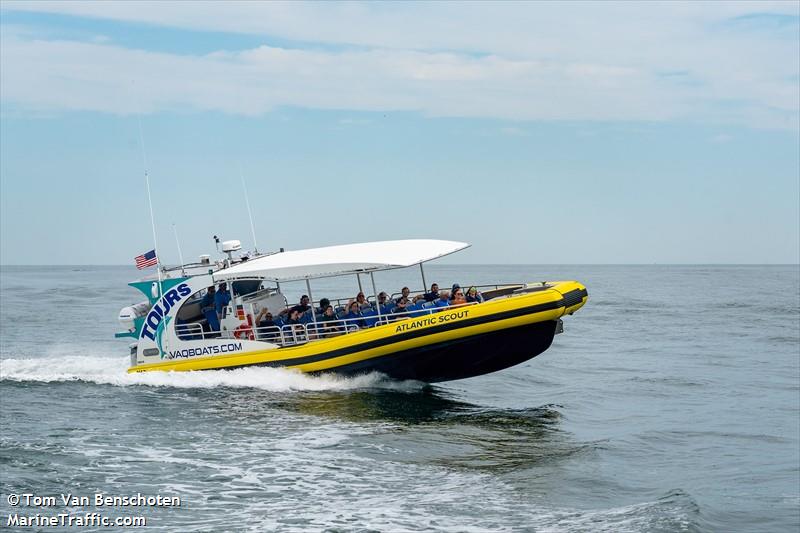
(175,328)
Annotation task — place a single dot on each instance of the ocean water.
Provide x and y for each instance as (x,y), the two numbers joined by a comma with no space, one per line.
(670,403)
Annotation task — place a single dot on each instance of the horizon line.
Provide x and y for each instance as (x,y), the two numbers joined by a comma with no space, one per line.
(443,264)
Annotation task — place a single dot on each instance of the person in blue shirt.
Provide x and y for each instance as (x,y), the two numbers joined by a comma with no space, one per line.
(208,298)
(221,300)
(385,304)
(353,316)
(442,301)
(208,309)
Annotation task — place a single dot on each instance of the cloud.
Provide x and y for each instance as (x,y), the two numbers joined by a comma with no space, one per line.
(96,77)
(515,61)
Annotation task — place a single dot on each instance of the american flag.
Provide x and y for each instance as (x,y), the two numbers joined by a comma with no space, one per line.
(145,260)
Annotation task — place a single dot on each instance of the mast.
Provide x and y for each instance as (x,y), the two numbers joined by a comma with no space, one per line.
(249,213)
(180,253)
(150,203)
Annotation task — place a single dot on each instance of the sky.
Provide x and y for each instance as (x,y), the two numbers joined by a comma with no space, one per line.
(549,133)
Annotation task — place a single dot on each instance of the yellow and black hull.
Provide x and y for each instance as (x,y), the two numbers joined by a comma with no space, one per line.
(452,344)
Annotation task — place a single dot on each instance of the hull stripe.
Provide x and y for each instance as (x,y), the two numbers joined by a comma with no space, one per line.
(548,306)
(312,362)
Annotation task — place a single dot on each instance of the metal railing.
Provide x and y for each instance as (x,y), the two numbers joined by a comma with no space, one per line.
(481,288)
(341,303)
(308,329)
(303,332)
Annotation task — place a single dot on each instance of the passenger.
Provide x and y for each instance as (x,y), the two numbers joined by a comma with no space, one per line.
(264,319)
(208,298)
(383,300)
(295,327)
(266,329)
(442,301)
(302,307)
(294,316)
(208,309)
(329,326)
(323,305)
(473,295)
(458,298)
(353,316)
(400,309)
(221,300)
(404,292)
(454,288)
(429,296)
(362,301)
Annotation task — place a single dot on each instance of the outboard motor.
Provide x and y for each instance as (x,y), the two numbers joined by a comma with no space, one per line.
(127,315)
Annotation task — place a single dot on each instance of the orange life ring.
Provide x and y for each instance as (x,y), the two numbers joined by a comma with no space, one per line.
(244,332)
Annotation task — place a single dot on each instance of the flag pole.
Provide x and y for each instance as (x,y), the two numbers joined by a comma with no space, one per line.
(150,203)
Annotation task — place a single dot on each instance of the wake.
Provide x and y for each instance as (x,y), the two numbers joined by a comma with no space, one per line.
(112,371)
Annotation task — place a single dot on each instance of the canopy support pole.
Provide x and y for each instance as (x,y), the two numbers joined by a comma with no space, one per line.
(424,283)
(232,303)
(375,292)
(358,277)
(311,299)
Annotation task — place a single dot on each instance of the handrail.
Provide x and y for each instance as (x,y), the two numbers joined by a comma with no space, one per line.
(342,302)
(415,293)
(191,329)
(301,333)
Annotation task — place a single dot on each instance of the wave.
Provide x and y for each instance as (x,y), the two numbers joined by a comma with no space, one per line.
(112,371)
(674,511)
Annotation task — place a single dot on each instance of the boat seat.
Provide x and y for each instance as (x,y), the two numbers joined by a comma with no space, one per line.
(415,310)
(370,317)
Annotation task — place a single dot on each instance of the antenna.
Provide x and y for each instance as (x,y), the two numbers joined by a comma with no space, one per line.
(150,202)
(180,254)
(249,213)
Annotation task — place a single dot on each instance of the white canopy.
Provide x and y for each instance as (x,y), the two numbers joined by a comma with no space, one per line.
(340,260)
